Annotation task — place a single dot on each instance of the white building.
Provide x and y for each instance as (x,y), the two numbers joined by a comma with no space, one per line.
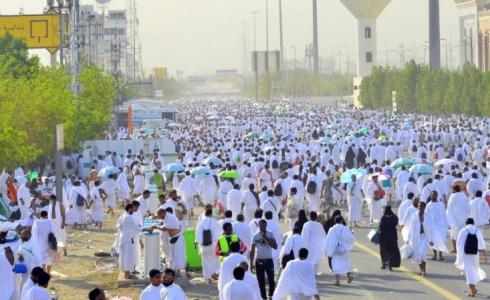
(474,32)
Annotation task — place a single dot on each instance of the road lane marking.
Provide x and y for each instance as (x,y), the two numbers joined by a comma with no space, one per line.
(436,288)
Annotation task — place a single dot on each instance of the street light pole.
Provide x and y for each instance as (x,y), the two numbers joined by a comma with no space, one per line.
(256,66)
(315,38)
(267,35)
(295,58)
(60,12)
(281,38)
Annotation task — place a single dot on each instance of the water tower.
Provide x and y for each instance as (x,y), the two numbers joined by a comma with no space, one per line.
(366,12)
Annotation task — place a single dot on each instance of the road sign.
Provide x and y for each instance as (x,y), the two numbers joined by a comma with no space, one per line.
(60,137)
(263,61)
(37,31)
(160,72)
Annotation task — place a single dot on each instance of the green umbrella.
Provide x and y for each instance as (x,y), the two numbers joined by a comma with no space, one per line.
(31,175)
(363,131)
(383,138)
(229,174)
(402,162)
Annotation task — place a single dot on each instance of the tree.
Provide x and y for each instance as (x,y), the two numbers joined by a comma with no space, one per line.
(14,148)
(93,107)
(34,99)
(14,58)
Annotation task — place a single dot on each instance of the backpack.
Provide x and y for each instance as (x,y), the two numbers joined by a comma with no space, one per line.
(471,244)
(278,190)
(311,187)
(80,200)
(207,237)
(275,164)
(52,242)
(340,249)
(69,165)
(459,157)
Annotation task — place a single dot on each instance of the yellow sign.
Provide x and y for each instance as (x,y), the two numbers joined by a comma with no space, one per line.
(37,31)
(160,73)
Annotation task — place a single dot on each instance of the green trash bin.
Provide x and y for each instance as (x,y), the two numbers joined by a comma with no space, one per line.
(193,256)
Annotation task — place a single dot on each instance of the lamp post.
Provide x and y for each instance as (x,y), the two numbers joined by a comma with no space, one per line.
(256,67)
(316,66)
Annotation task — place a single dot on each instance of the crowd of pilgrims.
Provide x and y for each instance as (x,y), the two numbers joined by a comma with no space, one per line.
(253,166)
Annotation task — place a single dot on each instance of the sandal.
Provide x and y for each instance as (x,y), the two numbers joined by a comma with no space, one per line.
(350,278)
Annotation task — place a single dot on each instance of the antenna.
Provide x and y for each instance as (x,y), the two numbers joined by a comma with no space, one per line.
(134,56)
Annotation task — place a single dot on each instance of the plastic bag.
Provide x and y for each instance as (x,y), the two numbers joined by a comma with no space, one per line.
(406,251)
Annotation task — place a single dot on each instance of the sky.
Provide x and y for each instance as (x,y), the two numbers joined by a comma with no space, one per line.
(201,36)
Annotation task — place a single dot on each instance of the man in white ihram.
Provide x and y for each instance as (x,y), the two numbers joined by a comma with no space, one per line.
(171,290)
(314,237)
(297,281)
(469,244)
(338,244)
(237,288)
(152,291)
(129,230)
(207,234)
(228,265)
(458,211)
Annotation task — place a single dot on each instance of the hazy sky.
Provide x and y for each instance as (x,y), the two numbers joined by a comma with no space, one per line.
(200,36)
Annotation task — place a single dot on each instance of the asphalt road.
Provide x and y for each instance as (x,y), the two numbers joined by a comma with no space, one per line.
(443,280)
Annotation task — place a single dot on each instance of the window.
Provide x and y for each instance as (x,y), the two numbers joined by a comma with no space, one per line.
(369,57)
(367,32)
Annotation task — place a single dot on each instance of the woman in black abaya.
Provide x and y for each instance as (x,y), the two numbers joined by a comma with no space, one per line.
(388,240)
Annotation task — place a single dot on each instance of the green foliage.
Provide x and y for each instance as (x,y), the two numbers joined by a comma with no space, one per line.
(301,83)
(93,106)
(34,99)
(420,89)
(15,60)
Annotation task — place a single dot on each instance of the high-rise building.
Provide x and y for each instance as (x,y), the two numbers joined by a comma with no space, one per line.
(91,34)
(474,32)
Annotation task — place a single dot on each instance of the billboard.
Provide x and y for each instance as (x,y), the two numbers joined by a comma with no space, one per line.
(37,31)
(160,72)
(264,61)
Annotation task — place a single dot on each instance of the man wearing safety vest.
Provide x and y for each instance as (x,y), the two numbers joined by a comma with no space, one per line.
(224,241)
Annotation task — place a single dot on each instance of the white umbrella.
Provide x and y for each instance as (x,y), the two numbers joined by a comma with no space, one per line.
(445,161)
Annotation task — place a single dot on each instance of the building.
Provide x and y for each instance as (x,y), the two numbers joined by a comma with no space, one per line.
(474,32)
(115,40)
(366,12)
(91,34)
(104,39)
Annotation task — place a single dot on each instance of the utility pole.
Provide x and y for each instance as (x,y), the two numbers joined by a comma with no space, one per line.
(281,37)
(60,12)
(245,52)
(74,45)
(340,62)
(267,35)
(256,65)
(434,35)
(315,39)
(295,58)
